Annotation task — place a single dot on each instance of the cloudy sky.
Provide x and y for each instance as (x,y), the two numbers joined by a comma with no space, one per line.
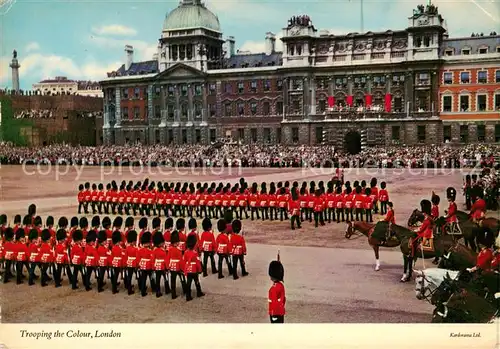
(84,39)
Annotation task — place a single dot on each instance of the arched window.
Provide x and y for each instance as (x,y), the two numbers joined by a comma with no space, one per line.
(184,111)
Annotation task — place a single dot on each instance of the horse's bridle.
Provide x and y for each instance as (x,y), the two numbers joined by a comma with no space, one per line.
(424,289)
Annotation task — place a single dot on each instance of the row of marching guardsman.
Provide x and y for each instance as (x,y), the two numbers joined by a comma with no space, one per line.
(336,201)
(105,249)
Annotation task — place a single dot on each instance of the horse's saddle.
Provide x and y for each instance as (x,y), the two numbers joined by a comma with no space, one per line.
(429,245)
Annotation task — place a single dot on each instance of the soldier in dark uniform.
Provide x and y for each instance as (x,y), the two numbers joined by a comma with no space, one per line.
(467,192)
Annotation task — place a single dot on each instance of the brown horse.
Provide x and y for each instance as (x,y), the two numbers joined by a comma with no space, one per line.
(375,243)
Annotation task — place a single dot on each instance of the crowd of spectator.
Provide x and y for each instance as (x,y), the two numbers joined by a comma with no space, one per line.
(35,114)
(218,155)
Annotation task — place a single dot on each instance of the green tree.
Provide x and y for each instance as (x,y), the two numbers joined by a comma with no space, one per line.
(10,129)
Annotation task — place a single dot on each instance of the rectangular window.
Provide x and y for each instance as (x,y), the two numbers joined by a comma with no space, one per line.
(421,133)
(322,105)
(464,133)
(466,52)
(464,77)
(279,85)
(157,91)
(170,111)
(447,133)
(197,90)
(241,87)
(267,85)
(125,113)
(241,134)
(448,78)
(228,88)
(197,135)
(319,135)
(483,51)
(213,135)
(481,103)
(184,90)
(448,52)
(464,103)
(279,108)
(497,76)
(137,113)
(267,135)
(170,136)
(241,109)
(278,135)
(295,135)
(125,93)
(211,88)
(253,108)
(482,77)
(395,133)
(297,84)
(423,79)
(481,133)
(253,135)
(398,104)
(266,110)
(157,136)
(136,92)
(170,90)
(296,107)
(497,102)
(253,86)
(228,110)
(213,110)
(447,103)
(157,110)
(184,136)
(497,133)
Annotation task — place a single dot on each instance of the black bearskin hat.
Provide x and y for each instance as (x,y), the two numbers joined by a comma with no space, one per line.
(96,221)
(467,178)
(191,241)
(87,185)
(339,190)
(295,194)
(192,223)
(74,222)
(77,235)
(228,216)
(91,236)
(236,225)
(49,222)
(100,186)
(221,225)
(158,239)
(61,235)
(106,222)
(146,238)
(206,224)
(174,237)
(3,219)
(45,235)
(451,193)
(32,210)
(102,236)
(9,234)
(20,234)
(348,190)
(116,237)
(363,183)
(27,220)
(33,235)
(156,223)
(368,191)
(17,219)
(80,187)
(373,182)
(84,222)
(383,185)
(474,177)
(169,223)
(94,186)
(129,222)
(143,223)
(276,270)
(37,221)
(117,223)
(63,222)
(358,190)
(180,224)
(347,184)
(355,184)
(435,199)
(426,206)
(131,236)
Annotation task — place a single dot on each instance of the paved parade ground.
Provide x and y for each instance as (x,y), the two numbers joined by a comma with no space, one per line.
(327,277)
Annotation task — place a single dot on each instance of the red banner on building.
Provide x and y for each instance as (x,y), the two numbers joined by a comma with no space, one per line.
(368,100)
(331,101)
(349,101)
(388,102)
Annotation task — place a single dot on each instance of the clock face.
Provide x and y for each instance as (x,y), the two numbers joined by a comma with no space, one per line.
(294,31)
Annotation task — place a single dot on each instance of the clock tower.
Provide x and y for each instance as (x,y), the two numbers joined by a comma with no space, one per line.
(297,42)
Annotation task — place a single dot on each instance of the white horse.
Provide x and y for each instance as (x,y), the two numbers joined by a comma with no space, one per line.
(426,282)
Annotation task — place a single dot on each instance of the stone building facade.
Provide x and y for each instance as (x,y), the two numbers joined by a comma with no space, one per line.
(376,88)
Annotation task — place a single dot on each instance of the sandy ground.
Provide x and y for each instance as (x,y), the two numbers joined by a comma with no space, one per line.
(328,278)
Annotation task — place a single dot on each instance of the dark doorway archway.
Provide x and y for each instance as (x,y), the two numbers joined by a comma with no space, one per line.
(352,142)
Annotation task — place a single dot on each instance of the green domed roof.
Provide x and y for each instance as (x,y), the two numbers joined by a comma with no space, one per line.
(191,14)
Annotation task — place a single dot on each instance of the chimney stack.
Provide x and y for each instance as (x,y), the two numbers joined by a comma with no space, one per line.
(230,45)
(270,43)
(129,51)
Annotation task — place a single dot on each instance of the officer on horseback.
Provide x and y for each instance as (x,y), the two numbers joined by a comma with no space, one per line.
(451,213)
(478,209)
(485,257)
(390,219)
(425,230)
(435,199)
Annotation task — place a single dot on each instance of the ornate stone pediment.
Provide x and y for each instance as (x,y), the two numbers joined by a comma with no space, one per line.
(181,71)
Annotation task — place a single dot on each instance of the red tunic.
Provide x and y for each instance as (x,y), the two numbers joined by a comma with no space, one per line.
(77,255)
(478,209)
(368,202)
(263,200)
(166,237)
(160,259)
(81,196)
(330,200)
(238,244)
(91,256)
(117,254)
(131,256)
(277,299)
(33,253)
(383,195)
(242,200)
(207,241)
(348,201)
(192,264)
(101,196)
(311,199)
(254,200)
(60,253)
(21,252)
(435,211)
(294,207)
(184,199)
(87,195)
(46,254)
(283,201)
(389,217)
(303,200)
(484,259)
(174,259)
(9,249)
(168,198)
(145,256)
(318,204)
(452,213)
(425,230)
(223,244)
(182,241)
(233,200)
(339,201)
(359,201)
(374,194)
(103,254)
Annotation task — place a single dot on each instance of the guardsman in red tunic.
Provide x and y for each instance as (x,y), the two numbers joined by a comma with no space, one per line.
(368,205)
(210,201)
(33,255)
(277,298)
(383,196)
(263,201)
(478,209)
(81,198)
(359,203)
(143,226)
(145,255)
(485,257)
(175,264)
(160,263)
(9,248)
(451,213)
(319,207)
(349,204)
(311,198)
(254,202)
(207,244)
(77,258)
(233,200)
(303,193)
(425,230)
(169,227)
(84,227)
(339,204)
(130,260)
(242,203)
(101,197)
(374,194)
(330,203)
(160,199)
(103,253)
(121,195)
(294,208)
(91,258)
(116,260)
(180,226)
(273,204)
(223,247)
(389,217)
(107,198)
(238,250)
(94,198)
(193,230)
(87,198)
(435,199)
(192,268)
(283,204)
(21,250)
(61,258)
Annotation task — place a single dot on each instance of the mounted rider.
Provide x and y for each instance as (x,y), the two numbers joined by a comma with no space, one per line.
(478,209)
(485,257)
(425,230)
(435,199)
(389,218)
(451,213)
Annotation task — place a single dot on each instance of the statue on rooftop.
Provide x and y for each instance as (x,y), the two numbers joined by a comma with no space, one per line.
(14,54)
